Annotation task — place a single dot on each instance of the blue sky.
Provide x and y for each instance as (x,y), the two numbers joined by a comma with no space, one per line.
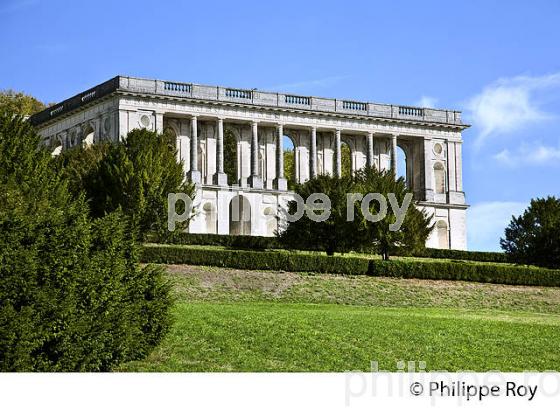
(499,62)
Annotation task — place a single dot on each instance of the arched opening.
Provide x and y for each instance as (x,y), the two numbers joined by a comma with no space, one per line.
(230,157)
(88,138)
(439,177)
(271,221)
(170,134)
(210,217)
(239,216)
(289,161)
(346,159)
(402,165)
(170,137)
(442,234)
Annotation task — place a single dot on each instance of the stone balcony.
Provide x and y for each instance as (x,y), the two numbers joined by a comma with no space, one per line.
(250,97)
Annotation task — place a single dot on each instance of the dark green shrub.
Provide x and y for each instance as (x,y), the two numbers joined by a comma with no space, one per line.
(473,272)
(72,295)
(298,262)
(499,257)
(334,234)
(534,237)
(242,259)
(135,175)
(230,241)
(415,228)
(267,242)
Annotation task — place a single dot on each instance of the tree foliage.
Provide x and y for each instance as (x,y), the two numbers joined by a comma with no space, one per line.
(345,160)
(338,234)
(534,237)
(416,225)
(230,157)
(135,175)
(19,103)
(335,234)
(289,169)
(72,295)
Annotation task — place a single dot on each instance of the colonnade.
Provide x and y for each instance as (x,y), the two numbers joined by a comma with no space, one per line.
(254,180)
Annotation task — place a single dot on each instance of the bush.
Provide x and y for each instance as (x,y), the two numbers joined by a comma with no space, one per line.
(72,295)
(135,175)
(498,257)
(297,262)
(268,242)
(534,237)
(230,241)
(381,236)
(333,234)
(473,272)
(241,259)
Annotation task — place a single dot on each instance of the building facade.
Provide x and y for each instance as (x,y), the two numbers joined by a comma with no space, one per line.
(199,116)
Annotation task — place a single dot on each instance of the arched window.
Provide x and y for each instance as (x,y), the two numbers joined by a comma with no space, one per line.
(346,159)
(210,217)
(289,161)
(170,133)
(442,234)
(439,176)
(89,135)
(239,216)
(56,143)
(230,157)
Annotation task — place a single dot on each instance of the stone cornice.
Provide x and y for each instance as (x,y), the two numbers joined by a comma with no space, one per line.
(425,117)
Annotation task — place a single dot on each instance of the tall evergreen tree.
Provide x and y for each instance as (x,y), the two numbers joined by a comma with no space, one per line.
(534,237)
(416,225)
(135,175)
(335,234)
(72,294)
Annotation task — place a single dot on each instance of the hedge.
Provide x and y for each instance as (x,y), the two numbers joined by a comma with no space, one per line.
(267,242)
(243,259)
(230,241)
(479,256)
(465,271)
(294,262)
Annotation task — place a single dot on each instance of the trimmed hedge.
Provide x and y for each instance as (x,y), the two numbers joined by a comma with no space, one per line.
(479,256)
(267,242)
(471,272)
(229,241)
(242,259)
(294,262)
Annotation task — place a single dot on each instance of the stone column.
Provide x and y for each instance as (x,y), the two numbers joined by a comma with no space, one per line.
(451,178)
(337,154)
(428,171)
(194,173)
(255,180)
(159,123)
(459,165)
(220,178)
(394,154)
(370,149)
(280,182)
(313,153)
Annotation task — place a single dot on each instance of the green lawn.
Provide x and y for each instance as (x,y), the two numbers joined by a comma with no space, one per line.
(233,320)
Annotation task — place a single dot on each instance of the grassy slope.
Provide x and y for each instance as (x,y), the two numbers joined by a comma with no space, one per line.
(231,320)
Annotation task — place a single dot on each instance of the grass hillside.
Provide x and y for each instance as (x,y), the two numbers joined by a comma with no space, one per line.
(234,320)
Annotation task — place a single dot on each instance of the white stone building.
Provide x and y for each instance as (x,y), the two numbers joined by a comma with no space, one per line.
(199,114)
